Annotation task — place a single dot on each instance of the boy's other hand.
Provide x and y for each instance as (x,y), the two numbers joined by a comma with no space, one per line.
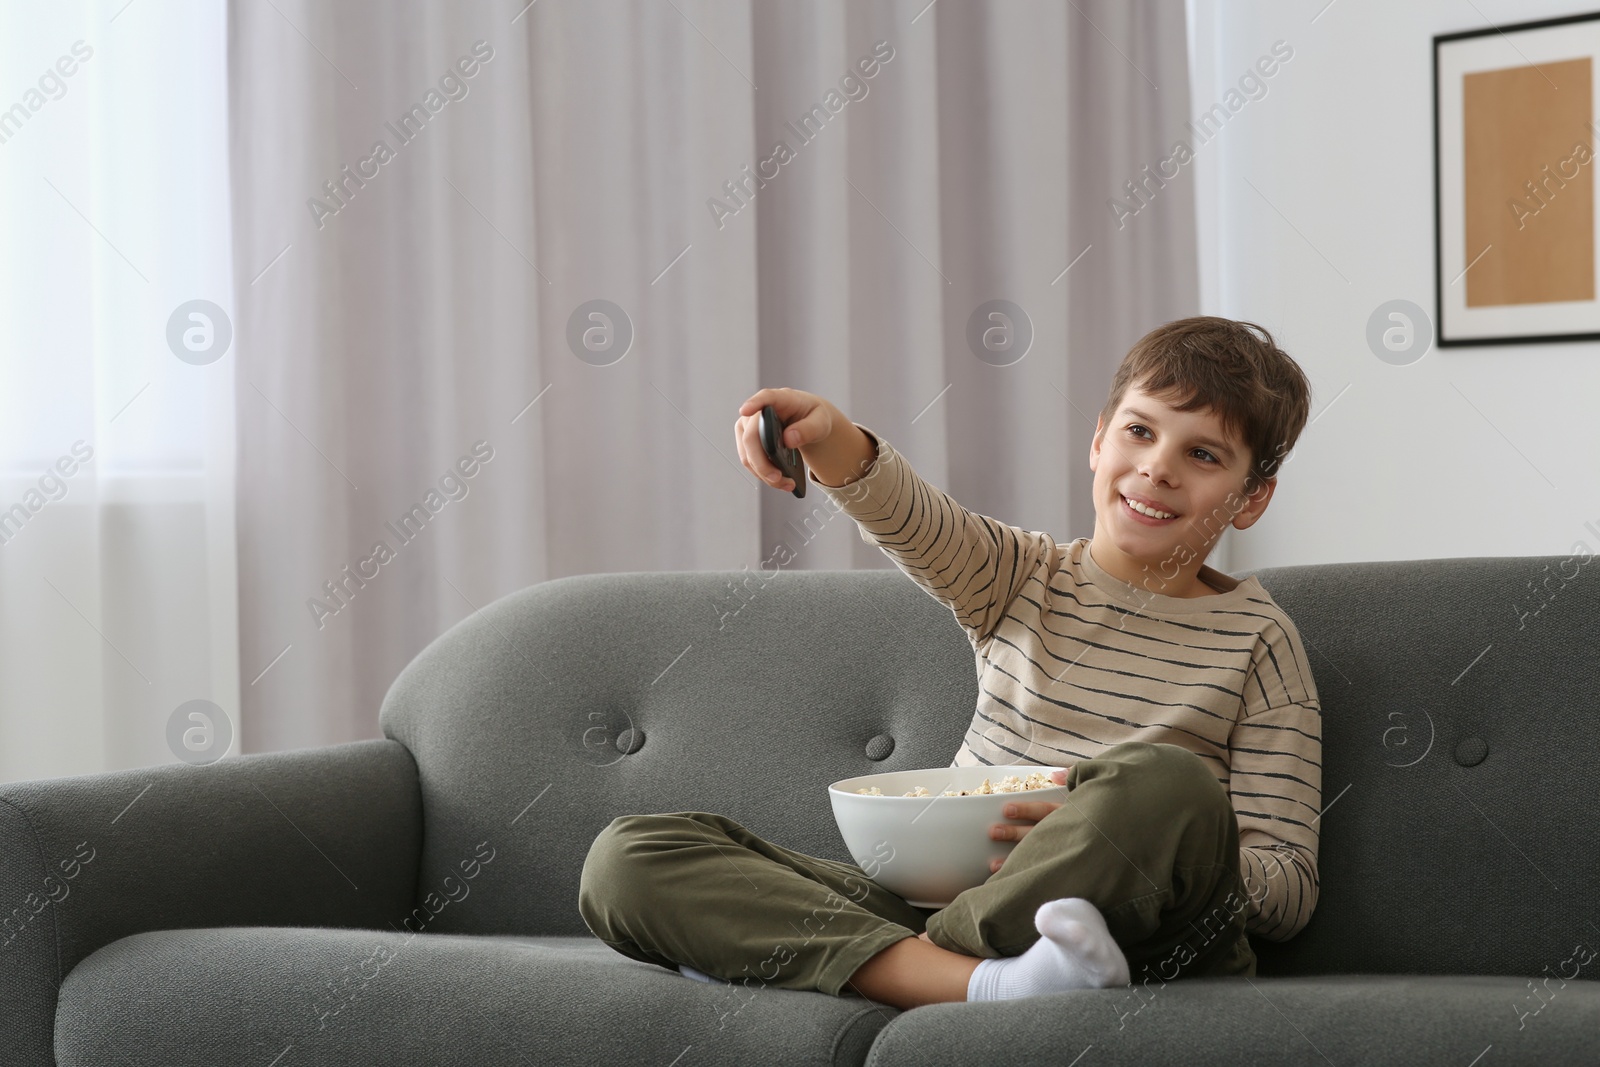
(1033,811)
(808,421)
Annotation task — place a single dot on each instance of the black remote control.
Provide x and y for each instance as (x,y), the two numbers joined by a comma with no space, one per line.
(787,460)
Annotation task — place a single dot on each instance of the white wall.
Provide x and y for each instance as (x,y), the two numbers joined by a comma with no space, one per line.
(1476,451)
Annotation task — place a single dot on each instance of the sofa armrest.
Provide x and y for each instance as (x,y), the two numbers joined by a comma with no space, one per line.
(315,837)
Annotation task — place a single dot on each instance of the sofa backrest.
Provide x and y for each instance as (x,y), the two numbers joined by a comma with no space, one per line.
(1458,783)
(746,694)
(1457,786)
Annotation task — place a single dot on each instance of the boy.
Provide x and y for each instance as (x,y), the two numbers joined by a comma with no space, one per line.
(1180,700)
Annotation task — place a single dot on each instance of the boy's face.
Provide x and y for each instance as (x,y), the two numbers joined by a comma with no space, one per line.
(1182,463)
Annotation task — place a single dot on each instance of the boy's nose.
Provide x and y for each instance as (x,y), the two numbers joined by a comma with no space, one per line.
(1157,470)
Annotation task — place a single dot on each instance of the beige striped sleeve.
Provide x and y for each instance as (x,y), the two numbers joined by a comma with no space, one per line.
(1275,781)
(971,563)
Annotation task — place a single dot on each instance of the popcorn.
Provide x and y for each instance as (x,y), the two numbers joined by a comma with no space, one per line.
(1009,784)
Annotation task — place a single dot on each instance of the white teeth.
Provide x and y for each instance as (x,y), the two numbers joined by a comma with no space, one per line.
(1152,512)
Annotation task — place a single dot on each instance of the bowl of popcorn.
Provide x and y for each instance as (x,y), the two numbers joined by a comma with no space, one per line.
(924,834)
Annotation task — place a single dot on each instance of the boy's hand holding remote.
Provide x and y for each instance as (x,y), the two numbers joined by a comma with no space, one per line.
(835,449)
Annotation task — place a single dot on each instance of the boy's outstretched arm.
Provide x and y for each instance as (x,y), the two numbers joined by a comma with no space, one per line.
(971,563)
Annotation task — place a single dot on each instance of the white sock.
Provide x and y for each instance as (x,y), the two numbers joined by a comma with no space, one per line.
(1075,951)
(700,976)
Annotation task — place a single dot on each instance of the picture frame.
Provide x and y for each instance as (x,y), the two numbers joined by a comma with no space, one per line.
(1516,142)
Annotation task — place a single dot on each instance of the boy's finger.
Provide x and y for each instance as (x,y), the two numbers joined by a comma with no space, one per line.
(1007,832)
(806,430)
(1034,810)
(755,457)
(760,399)
(738,443)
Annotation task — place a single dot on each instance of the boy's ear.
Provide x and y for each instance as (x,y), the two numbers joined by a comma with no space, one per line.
(1094,442)
(1255,504)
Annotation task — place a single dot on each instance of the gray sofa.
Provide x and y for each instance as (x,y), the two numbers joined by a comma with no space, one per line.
(413,900)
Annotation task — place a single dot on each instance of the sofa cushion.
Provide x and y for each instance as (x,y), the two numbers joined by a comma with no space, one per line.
(349,997)
(1199,1022)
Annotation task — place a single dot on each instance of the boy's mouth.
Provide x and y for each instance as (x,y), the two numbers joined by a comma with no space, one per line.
(1150,514)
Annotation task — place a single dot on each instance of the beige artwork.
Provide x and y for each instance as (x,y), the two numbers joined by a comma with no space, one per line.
(1528,165)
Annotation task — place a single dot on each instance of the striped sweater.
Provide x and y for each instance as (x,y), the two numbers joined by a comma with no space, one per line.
(1072,660)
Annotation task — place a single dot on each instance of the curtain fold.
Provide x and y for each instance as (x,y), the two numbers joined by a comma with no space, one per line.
(574,263)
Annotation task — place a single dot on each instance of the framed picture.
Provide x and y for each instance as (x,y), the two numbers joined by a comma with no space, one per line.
(1515,129)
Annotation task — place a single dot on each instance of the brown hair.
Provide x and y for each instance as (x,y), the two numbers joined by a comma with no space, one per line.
(1260,393)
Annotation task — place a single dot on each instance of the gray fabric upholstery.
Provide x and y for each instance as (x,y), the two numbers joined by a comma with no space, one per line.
(311,996)
(321,837)
(1436,867)
(757,717)
(523,702)
(1226,1022)
(1458,869)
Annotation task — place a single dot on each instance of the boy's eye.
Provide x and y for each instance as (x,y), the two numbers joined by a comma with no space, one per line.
(1134,427)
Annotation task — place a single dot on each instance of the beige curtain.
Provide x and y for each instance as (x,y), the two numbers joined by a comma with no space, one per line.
(556,245)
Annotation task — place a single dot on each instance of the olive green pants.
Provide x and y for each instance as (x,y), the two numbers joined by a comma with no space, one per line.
(1147,834)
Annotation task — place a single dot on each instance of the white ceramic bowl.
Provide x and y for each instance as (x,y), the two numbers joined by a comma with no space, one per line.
(930,849)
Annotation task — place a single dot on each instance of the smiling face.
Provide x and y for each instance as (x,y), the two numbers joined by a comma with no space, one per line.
(1181,464)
